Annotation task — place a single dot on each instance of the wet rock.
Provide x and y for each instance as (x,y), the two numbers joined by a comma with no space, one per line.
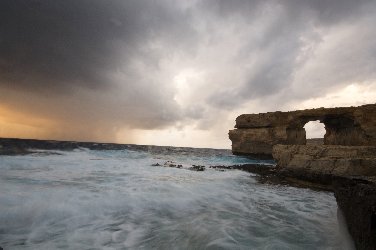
(170,164)
(220,167)
(197,168)
(357,200)
(261,169)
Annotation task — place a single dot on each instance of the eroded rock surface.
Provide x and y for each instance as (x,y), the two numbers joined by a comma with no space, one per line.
(318,163)
(256,134)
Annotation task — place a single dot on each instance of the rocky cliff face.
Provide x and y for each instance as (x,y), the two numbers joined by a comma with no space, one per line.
(317,162)
(357,200)
(257,141)
(256,134)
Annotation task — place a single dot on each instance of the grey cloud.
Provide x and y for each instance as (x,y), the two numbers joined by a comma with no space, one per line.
(324,11)
(279,46)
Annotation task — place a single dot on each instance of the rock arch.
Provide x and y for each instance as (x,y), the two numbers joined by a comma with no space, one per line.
(255,134)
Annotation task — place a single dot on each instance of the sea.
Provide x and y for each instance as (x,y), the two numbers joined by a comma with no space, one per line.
(133,199)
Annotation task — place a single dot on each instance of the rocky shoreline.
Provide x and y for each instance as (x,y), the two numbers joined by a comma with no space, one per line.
(345,163)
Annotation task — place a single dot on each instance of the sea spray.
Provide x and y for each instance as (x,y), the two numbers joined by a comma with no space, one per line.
(89,199)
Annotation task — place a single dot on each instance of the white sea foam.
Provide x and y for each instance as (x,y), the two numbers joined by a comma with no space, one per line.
(117,200)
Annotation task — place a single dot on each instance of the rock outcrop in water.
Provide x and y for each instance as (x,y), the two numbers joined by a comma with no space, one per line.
(256,134)
(346,163)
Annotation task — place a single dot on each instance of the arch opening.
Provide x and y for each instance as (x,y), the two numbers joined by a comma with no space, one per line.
(315,132)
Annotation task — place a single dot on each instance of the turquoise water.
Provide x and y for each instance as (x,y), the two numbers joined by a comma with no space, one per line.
(86,199)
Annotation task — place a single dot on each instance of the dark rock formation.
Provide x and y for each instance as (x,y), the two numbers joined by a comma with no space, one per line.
(357,200)
(197,168)
(256,134)
(260,169)
(169,164)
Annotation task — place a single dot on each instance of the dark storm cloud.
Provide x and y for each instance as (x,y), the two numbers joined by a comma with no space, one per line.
(68,43)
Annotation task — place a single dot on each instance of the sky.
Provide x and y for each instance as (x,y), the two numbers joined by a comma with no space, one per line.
(177,73)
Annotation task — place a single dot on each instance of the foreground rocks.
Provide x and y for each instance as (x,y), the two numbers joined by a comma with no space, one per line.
(256,134)
(265,174)
(259,169)
(357,200)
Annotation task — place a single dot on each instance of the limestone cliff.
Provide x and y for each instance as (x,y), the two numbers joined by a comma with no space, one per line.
(256,134)
(315,162)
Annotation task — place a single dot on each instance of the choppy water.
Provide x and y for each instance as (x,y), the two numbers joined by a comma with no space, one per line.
(116,200)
